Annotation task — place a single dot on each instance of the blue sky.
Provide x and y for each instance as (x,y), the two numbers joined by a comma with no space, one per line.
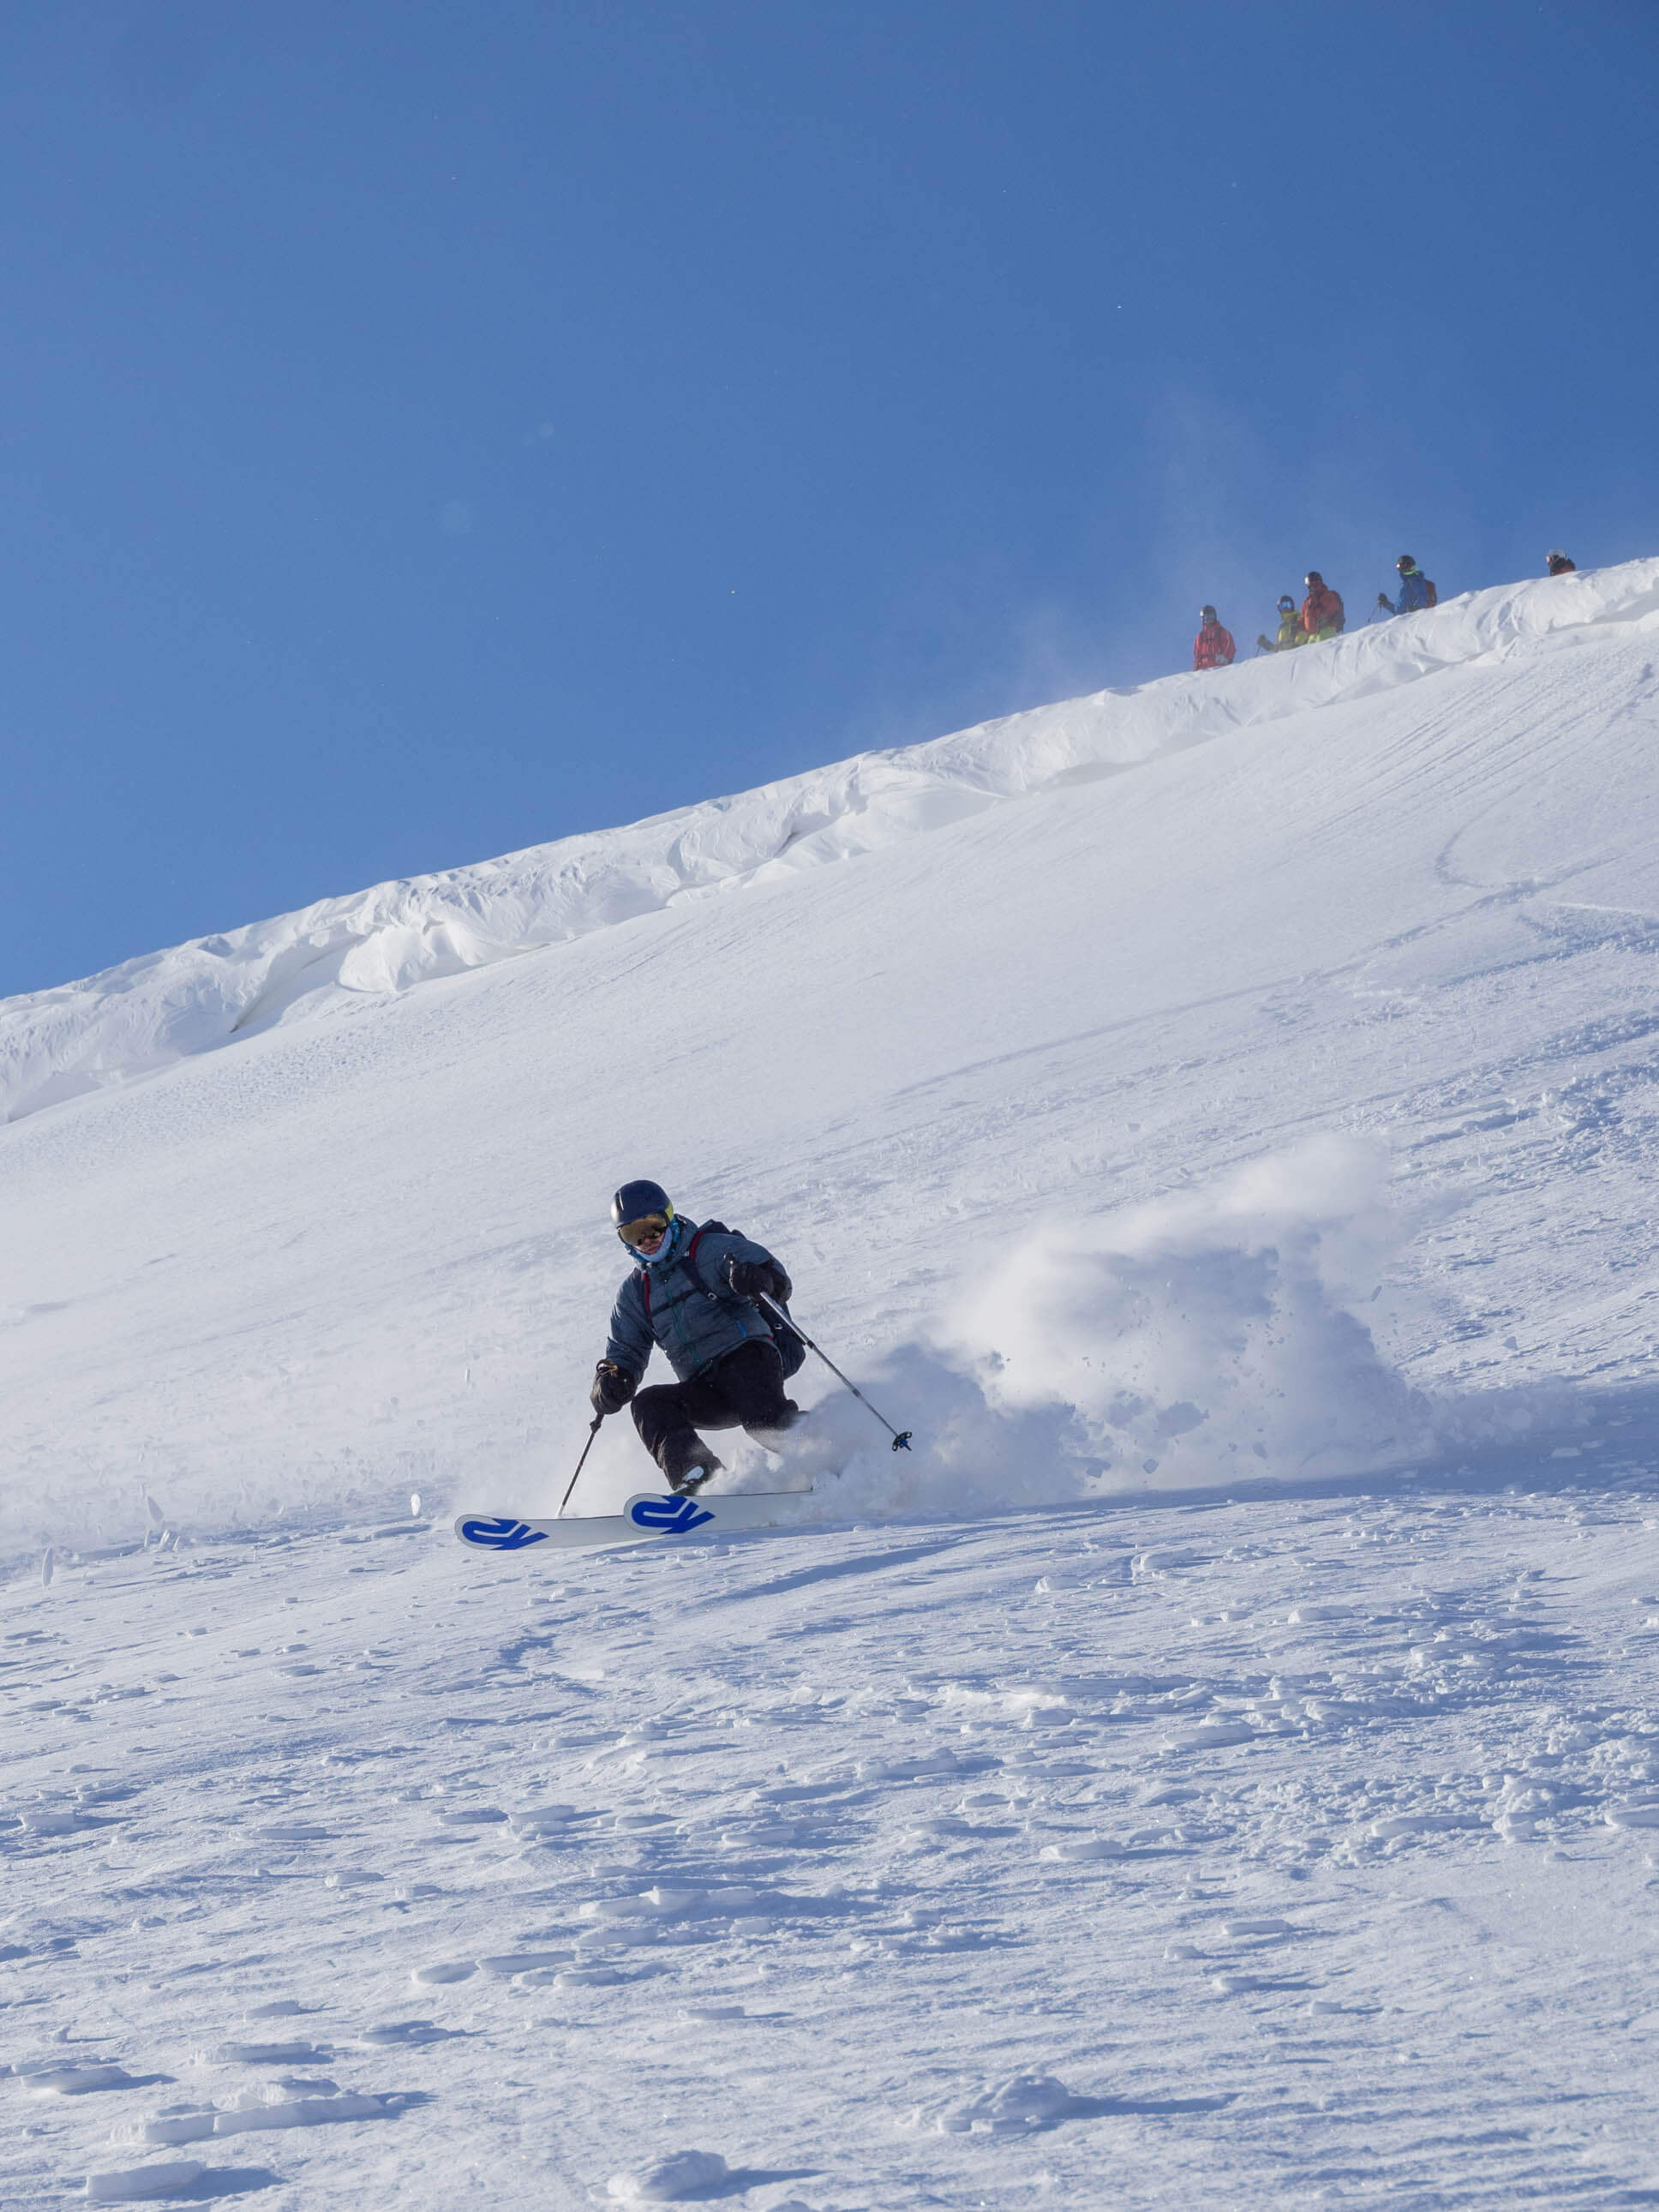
(427,430)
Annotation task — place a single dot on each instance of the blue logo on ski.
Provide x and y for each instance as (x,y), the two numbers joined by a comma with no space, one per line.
(505,1535)
(669,1516)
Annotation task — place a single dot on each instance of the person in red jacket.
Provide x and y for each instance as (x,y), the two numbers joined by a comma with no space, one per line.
(1323,614)
(1213,647)
(1560,566)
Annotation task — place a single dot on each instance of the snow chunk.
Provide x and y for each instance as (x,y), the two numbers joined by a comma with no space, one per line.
(130,2184)
(1417,1824)
(255,2110)
(1014,2107)
(680,2174)
(53,1821)
(661,1903)
(392,2034)
(300,2112)
(504,1964)
(1632,1816)
(1209,1735)
(74,2080)
(265,2054)
(543,1820)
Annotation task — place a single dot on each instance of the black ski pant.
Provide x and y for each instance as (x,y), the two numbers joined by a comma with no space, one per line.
(743,1390)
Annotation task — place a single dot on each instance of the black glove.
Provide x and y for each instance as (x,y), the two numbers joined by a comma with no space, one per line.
(752,1278)
(613,1387)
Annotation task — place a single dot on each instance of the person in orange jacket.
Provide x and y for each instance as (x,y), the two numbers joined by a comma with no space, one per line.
(1213,647)
(1323,614)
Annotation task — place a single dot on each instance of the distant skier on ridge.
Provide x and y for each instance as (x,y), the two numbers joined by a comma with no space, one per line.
(1558,564)
(692,1292)
(1323,614)
(1415,589)
(1290,633)
(1213,647)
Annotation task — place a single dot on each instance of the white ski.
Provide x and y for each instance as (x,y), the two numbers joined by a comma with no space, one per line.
(646,1518)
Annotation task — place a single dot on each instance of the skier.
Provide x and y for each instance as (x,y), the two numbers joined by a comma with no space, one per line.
(1289,630)
(1415,589)
(1560,566)
(692,1291)
(1321,610)
(1213,647)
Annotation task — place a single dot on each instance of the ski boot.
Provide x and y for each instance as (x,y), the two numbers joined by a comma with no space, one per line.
(700,1466)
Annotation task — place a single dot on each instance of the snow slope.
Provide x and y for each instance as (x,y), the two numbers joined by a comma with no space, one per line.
(148,1012)
(354,1254)
(1220,1119)
(1279,1853)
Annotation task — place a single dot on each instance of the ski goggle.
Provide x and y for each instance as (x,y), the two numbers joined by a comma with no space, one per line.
(1287,606)
(647,1230)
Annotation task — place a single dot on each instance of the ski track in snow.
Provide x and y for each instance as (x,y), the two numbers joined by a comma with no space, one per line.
(1294,1850)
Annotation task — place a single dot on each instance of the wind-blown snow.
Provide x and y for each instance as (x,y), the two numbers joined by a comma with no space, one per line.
(1205,1326)
(1221,1762)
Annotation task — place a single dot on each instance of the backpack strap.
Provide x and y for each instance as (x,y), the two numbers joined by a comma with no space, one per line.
(708,1229)
(718,1228)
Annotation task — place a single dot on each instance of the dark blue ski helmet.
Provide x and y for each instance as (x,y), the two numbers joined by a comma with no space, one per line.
(638,1201)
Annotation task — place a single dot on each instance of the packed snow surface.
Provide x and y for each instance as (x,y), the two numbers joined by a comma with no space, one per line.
(1220,1765)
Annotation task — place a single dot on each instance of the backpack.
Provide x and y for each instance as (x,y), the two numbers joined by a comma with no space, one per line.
(792,1351)
(1433,599)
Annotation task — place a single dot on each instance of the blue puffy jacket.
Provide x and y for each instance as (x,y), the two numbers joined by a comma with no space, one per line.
(1414,593)
(682,1301)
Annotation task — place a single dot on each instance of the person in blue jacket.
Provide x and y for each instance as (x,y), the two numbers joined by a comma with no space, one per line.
(1415,590)
(692,1292)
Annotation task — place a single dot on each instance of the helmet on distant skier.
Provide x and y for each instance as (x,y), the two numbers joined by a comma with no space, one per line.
(1206,614)
(1286,603)
(640,1212)
(1404,563)
(1312,577)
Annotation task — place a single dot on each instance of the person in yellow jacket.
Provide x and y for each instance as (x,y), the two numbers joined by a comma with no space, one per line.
(1290,632)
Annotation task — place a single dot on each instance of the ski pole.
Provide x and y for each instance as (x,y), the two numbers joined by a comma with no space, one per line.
(580,1464)
(900,1436)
